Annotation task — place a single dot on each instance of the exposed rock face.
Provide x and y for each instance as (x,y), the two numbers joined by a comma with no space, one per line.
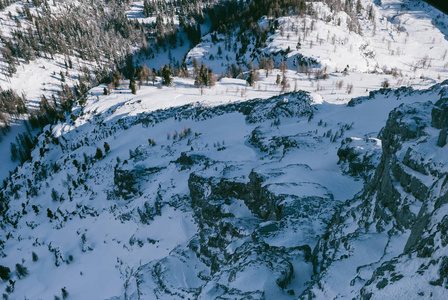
(239,215)
(359,157)
(403,207)
(227,248)
(439,114)
(290,105)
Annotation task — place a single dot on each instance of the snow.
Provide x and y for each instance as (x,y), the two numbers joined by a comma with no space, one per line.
(104,234)
(309,170)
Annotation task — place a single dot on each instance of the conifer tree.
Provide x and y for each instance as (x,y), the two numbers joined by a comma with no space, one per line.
(98,154)
(132,86)
(166,75)
(253,77)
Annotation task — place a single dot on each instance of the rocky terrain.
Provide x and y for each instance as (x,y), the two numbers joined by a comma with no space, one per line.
(211,212)
(297,185)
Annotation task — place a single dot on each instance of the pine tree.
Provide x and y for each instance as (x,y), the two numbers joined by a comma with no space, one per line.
(146,8)
(98,154)
(132,86)
(54,195)
(253,77)
(116,79)
(205,77)
(358,6)
(285,84)
(4,272)
(263,63)
(195,66)
(64,293)
(106,147)
(145,74)
(153,76)
(166,76)
(21,271)
(211,78)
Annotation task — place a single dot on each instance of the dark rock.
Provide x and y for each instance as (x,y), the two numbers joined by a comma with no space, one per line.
(188,160)
(382,284)
(148,212)
(439,114)
(417,231)
(209,194)
(415,160)
(425,247)
(443,228)
(294,104)
(284,272)
(262,202)
(257,139)
(441,141)
(361,156)
(396,277)
(127,181)
(410,184)
(270,227)
(404,123)
(185,160)
(443,271)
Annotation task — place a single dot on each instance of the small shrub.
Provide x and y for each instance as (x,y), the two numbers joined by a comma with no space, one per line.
(349,88)
(98,154)
(64,293)
(4,272)
(54,195)
(21,271)
(106,147)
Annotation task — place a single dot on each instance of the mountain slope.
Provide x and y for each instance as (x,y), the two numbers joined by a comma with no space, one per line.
(198,203)
(309,182)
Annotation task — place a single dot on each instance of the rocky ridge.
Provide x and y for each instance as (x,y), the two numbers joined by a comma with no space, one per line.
(402,207)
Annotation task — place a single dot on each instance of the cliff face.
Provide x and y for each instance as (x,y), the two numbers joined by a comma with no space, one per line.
(257,221)
(392,238)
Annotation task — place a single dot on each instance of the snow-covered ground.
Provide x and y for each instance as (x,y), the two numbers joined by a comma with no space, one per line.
(405,44)
(108,240)
(122,225)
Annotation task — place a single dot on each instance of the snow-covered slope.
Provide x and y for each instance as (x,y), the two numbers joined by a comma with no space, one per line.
(241,190)
(325,187)
(403,41)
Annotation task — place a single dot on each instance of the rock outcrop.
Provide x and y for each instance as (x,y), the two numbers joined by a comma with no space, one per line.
(403,207)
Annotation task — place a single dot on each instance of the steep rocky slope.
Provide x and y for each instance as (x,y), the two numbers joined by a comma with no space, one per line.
(283,189)
(391,237)
(241,200)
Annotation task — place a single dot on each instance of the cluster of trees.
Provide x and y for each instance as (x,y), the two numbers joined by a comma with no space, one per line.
(6,3)
(102,34)
(189,13)
(231,14)
(21,149)
(99,31)
(204,75)
(11,104)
